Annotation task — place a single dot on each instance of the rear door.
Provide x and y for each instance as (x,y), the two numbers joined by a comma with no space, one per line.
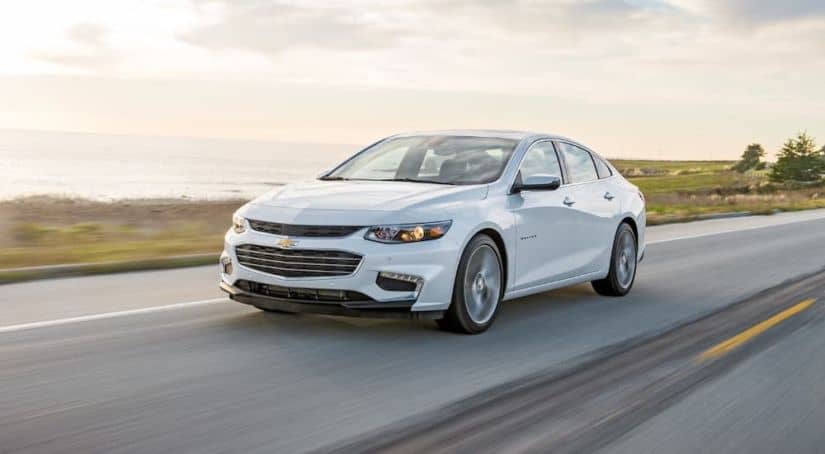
(610,207)
(593,209)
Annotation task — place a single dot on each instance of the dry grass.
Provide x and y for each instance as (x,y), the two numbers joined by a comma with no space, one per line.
(47,231)
(666,208)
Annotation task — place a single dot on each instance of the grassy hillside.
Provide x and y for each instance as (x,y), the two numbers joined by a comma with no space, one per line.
(685,190)
(631,167)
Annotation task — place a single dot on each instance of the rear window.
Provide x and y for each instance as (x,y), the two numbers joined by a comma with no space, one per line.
(601,167)
(579,163)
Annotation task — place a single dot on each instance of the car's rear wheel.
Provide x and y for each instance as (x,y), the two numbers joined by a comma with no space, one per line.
(479,286)
(623,262)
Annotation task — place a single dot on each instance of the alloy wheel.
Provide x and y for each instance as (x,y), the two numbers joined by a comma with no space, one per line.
(482,284)
(626,259)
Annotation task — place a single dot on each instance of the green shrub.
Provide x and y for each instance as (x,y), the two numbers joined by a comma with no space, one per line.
(799,161)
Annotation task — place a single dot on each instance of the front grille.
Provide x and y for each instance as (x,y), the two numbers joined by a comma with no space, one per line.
(297,262)
(317,231)
(304,294)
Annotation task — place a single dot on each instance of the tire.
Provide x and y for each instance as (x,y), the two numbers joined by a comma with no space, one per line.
(623,264)
(478,289)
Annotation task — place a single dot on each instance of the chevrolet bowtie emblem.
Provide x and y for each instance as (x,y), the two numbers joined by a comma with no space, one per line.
(286,243)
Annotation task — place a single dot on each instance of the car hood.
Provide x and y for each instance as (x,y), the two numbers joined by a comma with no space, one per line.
(360,202)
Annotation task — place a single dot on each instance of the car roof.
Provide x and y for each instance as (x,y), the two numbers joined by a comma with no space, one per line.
(496,133)
(521,136)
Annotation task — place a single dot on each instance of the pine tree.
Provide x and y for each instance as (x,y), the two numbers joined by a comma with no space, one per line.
(799,160)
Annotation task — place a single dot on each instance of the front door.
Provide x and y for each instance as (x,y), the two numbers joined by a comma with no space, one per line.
(546,224)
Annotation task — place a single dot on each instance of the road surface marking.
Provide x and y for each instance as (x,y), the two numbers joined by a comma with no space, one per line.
(750,333)
(106,315)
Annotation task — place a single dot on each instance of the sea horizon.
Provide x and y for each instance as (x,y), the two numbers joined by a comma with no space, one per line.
(108,167)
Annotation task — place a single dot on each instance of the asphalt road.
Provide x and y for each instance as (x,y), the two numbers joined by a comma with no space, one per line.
(216,376)
(773,402)
(589,407)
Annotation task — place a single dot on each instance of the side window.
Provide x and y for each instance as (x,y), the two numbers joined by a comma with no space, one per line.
(579,163)
(540,159)
(601,167)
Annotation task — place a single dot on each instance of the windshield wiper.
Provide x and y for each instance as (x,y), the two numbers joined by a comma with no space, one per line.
(416,180)
(334,178)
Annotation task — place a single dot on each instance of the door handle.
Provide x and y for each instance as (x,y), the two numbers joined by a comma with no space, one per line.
(609,196)
(568,201)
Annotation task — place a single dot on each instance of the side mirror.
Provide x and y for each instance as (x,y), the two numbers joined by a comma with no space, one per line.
(537,183)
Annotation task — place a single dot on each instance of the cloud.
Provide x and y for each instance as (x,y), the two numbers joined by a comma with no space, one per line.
(85,48)
(87,34)
(770,11)
(272,27)
(658,50)
(684,67)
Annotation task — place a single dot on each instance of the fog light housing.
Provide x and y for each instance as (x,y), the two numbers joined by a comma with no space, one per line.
(226,265)
(399,282)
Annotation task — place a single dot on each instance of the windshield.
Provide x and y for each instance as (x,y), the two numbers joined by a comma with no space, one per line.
(430,159)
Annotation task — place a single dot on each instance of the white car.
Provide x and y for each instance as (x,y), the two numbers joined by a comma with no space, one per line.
(443,225)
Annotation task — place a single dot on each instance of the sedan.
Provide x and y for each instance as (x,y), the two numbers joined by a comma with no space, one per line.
(443,225)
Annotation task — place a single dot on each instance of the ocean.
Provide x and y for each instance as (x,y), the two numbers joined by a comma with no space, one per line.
(111,167)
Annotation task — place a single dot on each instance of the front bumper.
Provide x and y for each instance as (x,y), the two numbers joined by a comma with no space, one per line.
(369,309)
(435,262)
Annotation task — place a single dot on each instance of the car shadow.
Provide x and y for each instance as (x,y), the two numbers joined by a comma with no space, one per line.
(539,330)
(511,313)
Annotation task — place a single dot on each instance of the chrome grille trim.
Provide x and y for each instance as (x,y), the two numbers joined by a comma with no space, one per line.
(244,256)
(294,270)
(308,257)
(297,262)
(313,231)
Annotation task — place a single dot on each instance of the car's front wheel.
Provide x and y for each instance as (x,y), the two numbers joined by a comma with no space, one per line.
(479,286)
(623,261)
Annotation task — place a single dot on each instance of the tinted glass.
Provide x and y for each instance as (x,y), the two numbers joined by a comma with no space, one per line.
(602,167)
(540,159)
(579,164)
(430,159)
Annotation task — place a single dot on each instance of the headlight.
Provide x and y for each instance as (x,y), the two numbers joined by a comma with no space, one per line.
(408,233)
(238,224)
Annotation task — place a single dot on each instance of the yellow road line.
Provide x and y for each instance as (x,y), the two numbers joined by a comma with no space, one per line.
(735,341)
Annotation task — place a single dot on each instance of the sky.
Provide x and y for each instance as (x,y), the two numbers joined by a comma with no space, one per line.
(669,79)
